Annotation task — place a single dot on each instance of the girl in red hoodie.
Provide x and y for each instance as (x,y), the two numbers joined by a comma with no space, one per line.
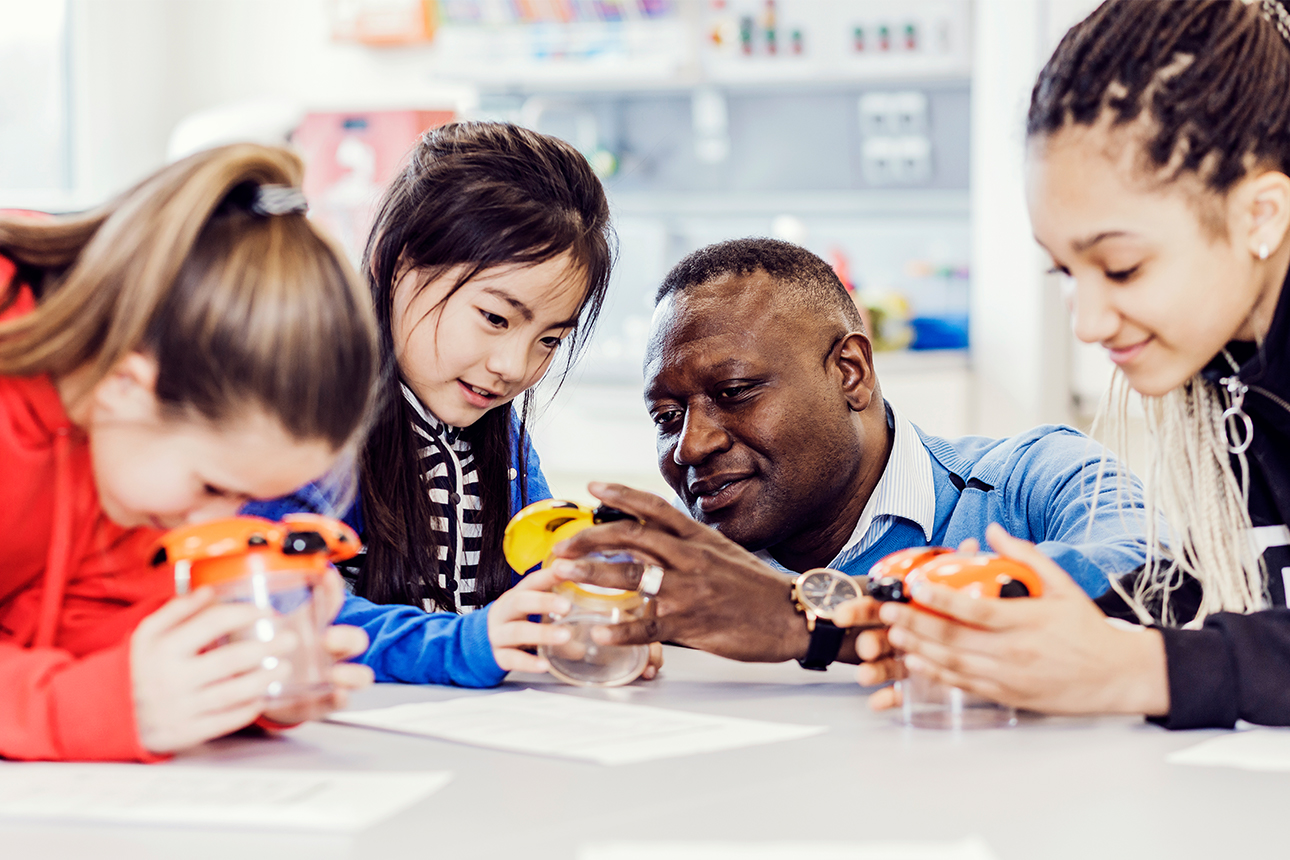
(191,346)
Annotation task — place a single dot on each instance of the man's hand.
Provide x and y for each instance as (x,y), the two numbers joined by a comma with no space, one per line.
(715,595)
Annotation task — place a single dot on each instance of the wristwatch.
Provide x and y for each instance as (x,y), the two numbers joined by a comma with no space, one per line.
(816,594)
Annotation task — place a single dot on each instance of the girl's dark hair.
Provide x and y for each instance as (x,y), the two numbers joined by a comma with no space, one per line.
(1213,76)
(476,195)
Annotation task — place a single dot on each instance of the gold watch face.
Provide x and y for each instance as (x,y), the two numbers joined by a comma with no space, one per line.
(822,590)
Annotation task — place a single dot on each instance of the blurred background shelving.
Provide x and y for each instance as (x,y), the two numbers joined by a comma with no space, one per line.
(883,134)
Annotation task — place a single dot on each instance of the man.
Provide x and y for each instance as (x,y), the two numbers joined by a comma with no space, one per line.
(774,434)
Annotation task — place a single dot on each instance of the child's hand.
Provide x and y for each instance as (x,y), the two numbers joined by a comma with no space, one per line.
(342,643)
(510,631)
(1054,653)
(185,690)
(879,662)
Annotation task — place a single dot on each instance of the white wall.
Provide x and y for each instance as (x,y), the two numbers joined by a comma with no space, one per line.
(139,66)
(1022,348)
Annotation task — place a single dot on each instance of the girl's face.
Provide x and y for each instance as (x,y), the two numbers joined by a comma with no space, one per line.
(162,472)
(489,341)
(1161,291)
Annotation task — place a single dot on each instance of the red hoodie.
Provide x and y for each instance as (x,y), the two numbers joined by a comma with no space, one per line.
(73,585)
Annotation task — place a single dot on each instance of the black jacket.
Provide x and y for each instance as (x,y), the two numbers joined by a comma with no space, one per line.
(1238,666)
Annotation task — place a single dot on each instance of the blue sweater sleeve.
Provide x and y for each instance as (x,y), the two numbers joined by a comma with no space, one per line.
(412,646)
(1050,497)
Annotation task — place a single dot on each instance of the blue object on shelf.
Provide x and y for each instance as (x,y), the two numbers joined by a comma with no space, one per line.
(945,332)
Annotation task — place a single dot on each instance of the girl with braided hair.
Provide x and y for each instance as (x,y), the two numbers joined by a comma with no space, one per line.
(1158,179)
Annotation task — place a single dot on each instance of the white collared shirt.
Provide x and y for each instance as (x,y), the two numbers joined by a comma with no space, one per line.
(906,491)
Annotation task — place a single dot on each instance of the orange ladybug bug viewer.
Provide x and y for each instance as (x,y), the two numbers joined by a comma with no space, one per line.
(980,575)
(926,703)
(277,567)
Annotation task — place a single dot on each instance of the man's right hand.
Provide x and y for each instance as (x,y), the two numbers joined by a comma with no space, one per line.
(715,595)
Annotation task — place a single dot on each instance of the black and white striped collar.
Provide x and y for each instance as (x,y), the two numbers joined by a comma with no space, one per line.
(427,420)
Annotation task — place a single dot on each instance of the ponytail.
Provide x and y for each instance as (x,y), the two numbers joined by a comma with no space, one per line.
(236,306)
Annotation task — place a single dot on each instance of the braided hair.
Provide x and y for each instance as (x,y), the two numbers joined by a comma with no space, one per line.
(1211,75)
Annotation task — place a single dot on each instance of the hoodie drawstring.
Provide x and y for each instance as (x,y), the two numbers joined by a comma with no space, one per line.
(59,559)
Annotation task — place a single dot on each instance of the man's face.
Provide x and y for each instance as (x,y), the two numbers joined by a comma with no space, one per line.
(754,430)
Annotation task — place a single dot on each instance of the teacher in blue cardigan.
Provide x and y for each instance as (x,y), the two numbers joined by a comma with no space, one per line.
(774,434)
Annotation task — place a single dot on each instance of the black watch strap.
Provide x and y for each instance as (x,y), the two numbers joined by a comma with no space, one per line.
(826,642)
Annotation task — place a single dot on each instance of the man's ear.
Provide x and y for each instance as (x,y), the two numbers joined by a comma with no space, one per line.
(128,392)
(853,355)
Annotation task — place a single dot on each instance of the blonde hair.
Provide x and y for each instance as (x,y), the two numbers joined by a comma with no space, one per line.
(237,308)
(1193,496)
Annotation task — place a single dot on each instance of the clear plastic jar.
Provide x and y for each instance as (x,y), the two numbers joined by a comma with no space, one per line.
(277,567)
(584,663)
(289,596)
(928,704)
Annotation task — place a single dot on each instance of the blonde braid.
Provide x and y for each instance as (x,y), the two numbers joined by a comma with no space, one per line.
(1196,504)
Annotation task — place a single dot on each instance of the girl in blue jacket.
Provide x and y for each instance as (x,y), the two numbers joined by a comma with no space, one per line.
(488,260)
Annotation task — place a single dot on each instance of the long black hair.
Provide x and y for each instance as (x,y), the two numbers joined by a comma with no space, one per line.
(475,195)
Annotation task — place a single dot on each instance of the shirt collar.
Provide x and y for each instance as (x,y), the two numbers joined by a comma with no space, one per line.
(426,419)
(906,489)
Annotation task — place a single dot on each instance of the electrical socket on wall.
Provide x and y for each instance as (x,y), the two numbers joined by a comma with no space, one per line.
(895,147)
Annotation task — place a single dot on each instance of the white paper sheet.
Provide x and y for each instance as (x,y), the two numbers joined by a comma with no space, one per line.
(554,724)
(967,849)
(332,801)
(1256,749)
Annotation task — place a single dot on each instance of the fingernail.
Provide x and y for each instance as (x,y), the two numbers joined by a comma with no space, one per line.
(543,666)
(563,605)
(888,613)
(597,487)
(914,663)
(896,636)
(564,634)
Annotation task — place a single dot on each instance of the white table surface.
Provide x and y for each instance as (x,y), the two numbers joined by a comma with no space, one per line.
(1049,788)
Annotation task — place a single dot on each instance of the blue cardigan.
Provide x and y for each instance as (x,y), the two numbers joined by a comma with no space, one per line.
(1039,486)
(408,644)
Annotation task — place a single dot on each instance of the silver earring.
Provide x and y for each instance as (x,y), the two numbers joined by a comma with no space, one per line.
(1263,251)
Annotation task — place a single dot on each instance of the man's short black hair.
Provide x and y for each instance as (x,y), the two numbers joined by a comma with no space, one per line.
(804,276)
